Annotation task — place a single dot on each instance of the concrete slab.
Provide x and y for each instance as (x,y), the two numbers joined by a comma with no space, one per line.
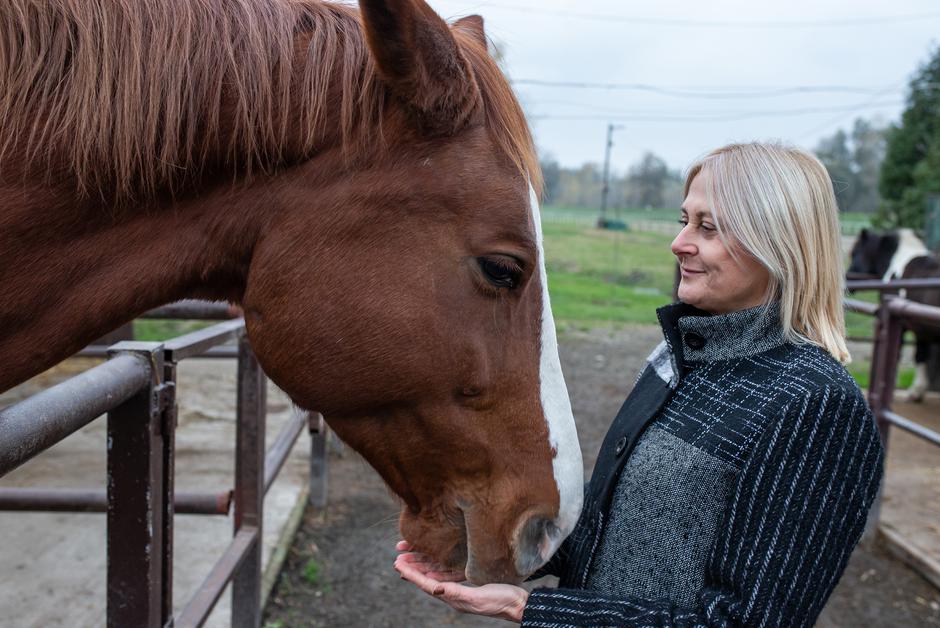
(52,565)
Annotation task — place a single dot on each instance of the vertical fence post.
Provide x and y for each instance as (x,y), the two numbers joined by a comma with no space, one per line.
(884,372)
(318,459)
(168,427)
(137,499)
(249,485)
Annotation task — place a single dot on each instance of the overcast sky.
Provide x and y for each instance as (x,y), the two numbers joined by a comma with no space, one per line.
(848,58)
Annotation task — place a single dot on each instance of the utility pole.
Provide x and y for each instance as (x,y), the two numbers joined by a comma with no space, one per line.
(605,191)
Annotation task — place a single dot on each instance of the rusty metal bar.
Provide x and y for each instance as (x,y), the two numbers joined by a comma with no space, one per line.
(96,500)
(39,422)
(862,307)
(910,426)
(194,309)
(274,459)
(884,373)
(198,608)
(885,365)
(319,471)
(894,284)
(222,352)
(913,311)
(249,485)
(136,496)
(197,342)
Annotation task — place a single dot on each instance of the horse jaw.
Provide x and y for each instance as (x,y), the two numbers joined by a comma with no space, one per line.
(556,406)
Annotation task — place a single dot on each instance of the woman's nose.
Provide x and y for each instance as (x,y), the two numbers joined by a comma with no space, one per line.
(683,244)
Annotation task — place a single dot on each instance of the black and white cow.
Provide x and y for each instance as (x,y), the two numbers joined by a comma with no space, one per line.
(901,254)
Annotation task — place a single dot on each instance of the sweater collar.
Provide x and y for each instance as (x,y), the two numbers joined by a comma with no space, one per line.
(696,336)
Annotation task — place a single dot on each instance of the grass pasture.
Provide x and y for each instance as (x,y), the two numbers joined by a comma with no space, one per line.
(601,277)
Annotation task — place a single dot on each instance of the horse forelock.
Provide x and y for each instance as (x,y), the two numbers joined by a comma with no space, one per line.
(141,96)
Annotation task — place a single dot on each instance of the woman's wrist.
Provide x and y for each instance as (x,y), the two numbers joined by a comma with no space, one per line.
(519,607)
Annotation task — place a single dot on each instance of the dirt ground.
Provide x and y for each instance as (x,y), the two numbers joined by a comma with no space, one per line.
(339,568)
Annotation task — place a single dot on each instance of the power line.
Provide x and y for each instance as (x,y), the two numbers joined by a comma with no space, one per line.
(695,23)
(772,92)
(720,117)
(841,117)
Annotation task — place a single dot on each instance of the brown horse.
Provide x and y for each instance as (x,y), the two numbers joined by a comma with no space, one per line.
(361,183)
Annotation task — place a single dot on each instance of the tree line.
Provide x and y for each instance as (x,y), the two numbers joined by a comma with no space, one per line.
(649,183)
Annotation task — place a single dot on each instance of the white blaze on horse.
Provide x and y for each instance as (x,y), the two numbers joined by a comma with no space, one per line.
(901,254)
(360,182)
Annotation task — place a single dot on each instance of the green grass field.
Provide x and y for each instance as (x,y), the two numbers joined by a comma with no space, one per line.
(861,372)
(599,277)
(153,330)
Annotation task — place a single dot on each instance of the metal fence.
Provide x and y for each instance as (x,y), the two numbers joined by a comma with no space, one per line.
(136,387)
(891,314)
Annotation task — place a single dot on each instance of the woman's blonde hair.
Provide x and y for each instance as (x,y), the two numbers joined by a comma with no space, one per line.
(777,204)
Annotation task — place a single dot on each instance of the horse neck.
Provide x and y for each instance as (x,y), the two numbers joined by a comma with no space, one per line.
(73,270)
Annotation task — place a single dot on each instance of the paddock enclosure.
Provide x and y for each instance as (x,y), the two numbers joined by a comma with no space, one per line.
(136,387)
(891,313)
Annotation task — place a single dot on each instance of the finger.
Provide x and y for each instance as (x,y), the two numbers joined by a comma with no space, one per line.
(403,546)
(416,577)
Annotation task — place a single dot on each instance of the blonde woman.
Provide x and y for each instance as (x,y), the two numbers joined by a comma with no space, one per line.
(736,478)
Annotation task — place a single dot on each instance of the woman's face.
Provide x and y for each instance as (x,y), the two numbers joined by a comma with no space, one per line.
(713,280)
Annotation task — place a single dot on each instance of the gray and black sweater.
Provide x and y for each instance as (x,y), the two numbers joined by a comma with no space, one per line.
(730,490)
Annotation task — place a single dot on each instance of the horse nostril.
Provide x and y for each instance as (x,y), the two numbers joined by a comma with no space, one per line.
(534,540)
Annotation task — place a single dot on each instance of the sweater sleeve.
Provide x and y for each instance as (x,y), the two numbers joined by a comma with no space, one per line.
(797,510)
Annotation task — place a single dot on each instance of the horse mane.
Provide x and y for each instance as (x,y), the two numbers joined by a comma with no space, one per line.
(137,96)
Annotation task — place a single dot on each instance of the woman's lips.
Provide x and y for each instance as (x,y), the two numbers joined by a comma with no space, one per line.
(691,272)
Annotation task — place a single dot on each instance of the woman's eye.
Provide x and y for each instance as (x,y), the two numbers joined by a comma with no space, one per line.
(708,227)
(502,273)
(683,222)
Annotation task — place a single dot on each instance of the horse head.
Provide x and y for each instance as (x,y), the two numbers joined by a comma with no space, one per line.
(884,254)
(872,252)
(405,297)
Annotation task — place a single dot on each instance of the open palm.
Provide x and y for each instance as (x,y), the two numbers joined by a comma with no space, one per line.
(492,600)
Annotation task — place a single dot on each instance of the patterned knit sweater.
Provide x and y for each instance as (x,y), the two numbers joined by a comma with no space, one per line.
(730,490)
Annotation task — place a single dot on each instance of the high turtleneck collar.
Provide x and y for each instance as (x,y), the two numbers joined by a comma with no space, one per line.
(696,336)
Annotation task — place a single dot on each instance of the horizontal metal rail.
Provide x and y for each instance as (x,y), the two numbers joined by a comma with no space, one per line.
(909,426)
(913,311)
(193,309)
(96,500)
(275,457)
(39,422)
(201,604)
(862,307)
(198,342)
(103,351)
(894,284)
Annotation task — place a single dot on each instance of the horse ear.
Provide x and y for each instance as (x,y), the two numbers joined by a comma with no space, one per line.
(473,26)
(863,235)
(419,60)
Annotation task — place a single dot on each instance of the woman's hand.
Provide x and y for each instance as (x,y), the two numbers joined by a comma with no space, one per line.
(492,600)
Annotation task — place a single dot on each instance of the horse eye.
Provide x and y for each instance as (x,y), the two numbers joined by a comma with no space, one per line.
(501,272)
